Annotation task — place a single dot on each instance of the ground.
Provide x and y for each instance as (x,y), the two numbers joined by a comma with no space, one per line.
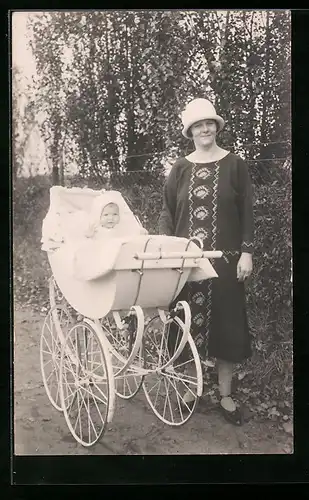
(42,430)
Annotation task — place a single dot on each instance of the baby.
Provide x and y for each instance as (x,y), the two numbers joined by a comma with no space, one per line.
(110,216)
(108,220)
(111,219)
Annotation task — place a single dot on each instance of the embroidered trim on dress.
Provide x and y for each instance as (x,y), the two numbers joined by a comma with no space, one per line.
(201,213)
(213,246)
(197,217)
(190,200)
(198,319)
(214,202)
(201,191)
(203,173)
(244,243)
(198,298)
(200,233)
(231,252)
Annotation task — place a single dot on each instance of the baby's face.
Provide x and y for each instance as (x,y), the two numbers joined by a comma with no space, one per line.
(110,216)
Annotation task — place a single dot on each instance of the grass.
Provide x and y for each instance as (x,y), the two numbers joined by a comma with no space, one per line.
(31,272)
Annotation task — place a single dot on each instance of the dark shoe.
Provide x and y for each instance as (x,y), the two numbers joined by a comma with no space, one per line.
(233,417)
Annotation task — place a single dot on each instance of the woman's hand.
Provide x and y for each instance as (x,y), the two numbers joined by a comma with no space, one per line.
(244,266)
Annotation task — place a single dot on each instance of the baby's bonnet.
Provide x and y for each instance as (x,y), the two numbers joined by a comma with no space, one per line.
(127,220)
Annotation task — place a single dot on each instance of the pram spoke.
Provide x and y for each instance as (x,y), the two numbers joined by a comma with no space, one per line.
(171,389)
(87,414)
(125,339)
(57,320)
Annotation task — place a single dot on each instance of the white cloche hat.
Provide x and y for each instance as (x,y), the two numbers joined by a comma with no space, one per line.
(196,110)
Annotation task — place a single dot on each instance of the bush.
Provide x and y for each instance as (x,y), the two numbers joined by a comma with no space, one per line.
(270,294)
(30,264)
(30,205)
(270,288)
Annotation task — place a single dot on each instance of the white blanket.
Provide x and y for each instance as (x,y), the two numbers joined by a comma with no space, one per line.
(92,259)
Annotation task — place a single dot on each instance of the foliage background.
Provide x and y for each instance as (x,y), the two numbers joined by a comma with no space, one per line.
(105,104)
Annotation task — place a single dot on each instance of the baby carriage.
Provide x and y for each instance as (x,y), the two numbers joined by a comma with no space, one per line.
(110,318)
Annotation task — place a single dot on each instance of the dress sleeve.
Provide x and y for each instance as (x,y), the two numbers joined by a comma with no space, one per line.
(245,200)
(166,223)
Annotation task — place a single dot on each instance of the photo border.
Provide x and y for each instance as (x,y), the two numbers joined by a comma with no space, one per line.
(194,469)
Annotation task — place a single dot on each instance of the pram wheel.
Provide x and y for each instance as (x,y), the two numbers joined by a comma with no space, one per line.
(56,324)
(125,338)
(172,390)
(86,381)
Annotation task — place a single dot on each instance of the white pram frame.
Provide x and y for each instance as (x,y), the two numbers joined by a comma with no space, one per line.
(86,362)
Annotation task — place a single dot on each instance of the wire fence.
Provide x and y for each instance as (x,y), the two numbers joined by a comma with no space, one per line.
(166,152)
(265,171)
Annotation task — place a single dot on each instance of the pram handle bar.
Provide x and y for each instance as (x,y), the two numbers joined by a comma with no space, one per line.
(216,254)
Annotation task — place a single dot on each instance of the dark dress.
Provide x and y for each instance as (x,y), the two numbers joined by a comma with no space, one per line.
(214,202)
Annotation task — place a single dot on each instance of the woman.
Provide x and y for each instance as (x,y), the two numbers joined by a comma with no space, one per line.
(208,195)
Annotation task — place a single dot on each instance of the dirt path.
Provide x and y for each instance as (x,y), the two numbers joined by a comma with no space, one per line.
(40,429)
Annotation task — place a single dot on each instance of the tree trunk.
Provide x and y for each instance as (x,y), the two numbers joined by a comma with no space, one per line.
(251,133)
(111,99)
(266,89)
(61,171)
(55,151)
(130,163)
(55,176)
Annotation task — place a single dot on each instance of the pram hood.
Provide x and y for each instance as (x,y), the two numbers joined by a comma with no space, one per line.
(72,210)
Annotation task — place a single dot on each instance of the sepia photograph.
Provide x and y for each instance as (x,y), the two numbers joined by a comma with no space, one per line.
(152,232)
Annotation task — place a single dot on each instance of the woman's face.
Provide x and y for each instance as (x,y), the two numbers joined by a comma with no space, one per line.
(110,216)
(204,132)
